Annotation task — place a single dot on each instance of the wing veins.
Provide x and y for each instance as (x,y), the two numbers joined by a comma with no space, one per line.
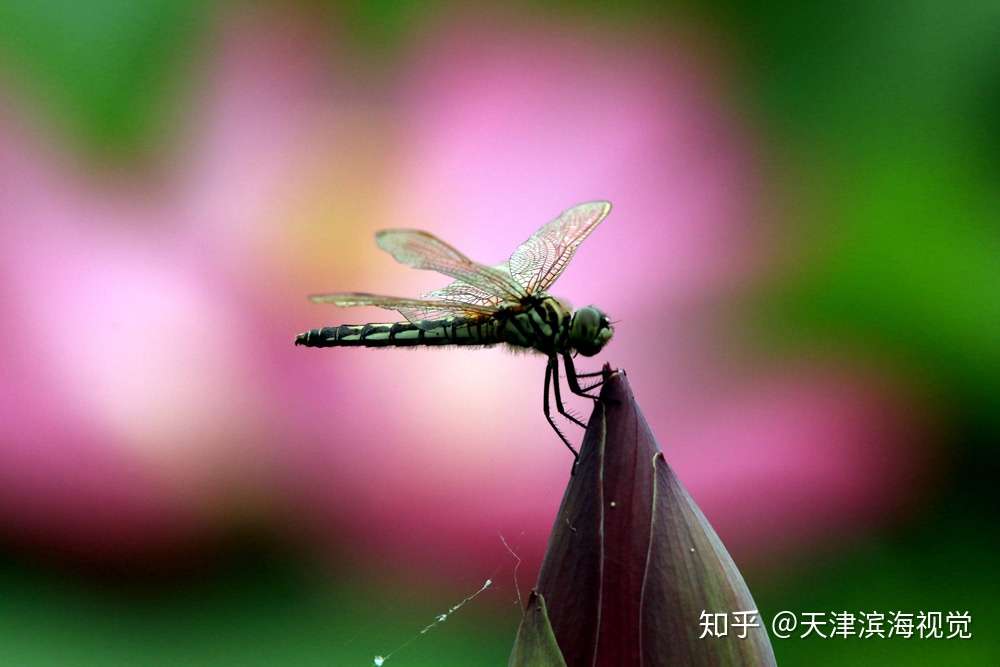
(538,262)
(421,312)
(422,250)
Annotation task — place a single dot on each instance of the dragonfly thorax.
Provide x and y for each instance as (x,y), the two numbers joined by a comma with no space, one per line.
(589,331)
(550,326)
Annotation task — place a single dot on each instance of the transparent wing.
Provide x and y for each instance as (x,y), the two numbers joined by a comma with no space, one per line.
(461,292)
(425,251)
(465,294)
(418,311)
(540,260)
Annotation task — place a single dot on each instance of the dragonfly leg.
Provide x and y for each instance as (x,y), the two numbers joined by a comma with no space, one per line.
(573,381)
(559,404)
(588,375)
(549,371)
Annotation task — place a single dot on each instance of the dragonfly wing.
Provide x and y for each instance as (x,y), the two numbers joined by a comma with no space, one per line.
(421,312)
(540,260)
(422,250)
(463,293)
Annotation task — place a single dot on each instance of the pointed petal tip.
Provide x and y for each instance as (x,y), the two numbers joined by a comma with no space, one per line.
(535,645)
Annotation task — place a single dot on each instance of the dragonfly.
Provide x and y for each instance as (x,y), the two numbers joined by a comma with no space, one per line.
(507,304)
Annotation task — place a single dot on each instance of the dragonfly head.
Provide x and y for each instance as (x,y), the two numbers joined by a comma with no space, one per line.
(589,331)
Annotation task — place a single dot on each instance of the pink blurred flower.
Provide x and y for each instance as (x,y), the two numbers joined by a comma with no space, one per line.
(130,413)
(151,379)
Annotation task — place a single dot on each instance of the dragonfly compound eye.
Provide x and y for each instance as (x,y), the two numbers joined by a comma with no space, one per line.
(589,331)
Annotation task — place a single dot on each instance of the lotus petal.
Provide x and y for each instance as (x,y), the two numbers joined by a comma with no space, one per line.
(535,645)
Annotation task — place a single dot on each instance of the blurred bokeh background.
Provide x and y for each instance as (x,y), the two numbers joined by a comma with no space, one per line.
(803,256)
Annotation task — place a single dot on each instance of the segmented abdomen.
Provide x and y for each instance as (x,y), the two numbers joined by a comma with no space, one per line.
(543,325)
(402,334)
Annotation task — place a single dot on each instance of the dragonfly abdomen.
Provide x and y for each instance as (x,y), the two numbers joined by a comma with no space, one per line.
(453,331)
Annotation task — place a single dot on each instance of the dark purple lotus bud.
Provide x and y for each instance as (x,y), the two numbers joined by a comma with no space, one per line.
(632,562)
